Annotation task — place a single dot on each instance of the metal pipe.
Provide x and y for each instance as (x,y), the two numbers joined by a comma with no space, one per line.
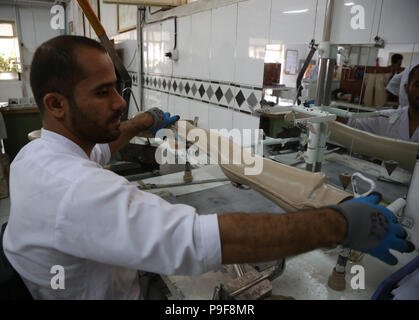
(27,3)
(312,147)
(320,82)
(330,69)
(352,106)
(269,142)
(22,58)
(140,24)
(148,186)
(353,115)
(321,148)
(328,21)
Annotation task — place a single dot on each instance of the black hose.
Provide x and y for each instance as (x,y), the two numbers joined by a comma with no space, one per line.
(313,49)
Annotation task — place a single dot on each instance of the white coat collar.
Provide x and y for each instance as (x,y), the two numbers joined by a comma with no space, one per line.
(63,142)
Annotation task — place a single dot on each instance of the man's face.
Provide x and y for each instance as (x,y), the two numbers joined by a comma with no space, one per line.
(96,108)
(412,90)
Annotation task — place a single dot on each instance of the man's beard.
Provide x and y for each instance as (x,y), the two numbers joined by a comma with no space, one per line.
(413,103)
(89,129)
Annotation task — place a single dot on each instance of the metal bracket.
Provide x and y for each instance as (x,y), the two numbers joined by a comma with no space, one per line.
(406,222)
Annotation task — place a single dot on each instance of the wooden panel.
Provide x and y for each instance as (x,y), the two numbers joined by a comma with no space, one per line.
(271,74)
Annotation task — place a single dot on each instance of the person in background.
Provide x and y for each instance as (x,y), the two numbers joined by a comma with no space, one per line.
(393,85)
(396,61)
(396,86)
(401,123)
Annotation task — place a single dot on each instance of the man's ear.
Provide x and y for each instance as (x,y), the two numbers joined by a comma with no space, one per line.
(56,104)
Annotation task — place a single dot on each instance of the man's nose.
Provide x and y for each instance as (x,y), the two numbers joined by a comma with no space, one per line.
(118,101)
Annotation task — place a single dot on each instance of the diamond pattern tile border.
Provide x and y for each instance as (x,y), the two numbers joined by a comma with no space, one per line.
(213,92)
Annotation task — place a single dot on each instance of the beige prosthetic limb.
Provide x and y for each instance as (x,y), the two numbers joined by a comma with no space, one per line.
(290,188)
(369,144)
(404,152)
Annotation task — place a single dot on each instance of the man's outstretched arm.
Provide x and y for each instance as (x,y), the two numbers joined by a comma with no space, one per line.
(360,224)
(267,237)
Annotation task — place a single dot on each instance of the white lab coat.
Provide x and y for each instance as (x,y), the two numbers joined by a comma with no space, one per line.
(396,85)
(395,125)
(67,210)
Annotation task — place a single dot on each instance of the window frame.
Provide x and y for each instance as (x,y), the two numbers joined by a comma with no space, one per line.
(13,28)
(13,23)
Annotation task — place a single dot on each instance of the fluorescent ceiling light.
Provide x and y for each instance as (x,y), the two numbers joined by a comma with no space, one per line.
(349,4)
(296,11)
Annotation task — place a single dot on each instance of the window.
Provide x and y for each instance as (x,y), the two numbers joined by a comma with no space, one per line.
(9,52)
(273,53)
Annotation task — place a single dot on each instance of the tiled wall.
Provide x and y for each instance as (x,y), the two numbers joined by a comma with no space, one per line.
(219,74)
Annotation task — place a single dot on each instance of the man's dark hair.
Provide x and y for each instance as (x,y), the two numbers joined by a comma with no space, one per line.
(412,72)
(55,69)
(395,58)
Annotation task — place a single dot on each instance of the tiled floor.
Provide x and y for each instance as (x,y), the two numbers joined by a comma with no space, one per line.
(4,210)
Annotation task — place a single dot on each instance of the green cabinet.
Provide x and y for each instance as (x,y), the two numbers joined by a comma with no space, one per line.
(19,122)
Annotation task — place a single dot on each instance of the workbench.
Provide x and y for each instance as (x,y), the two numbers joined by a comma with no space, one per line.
(305,276)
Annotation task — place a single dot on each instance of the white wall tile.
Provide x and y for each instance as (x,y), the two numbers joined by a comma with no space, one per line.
(154,99)
(7,12)
(220,118)
(252,37)
(42,18)
(108,18)
(167,37)
(145,67)
(200,109)
(320,19)
(245,121)
(164,100)
(27,27)
(223,43)
(154,46)
(129,55)
(146,101)
(183,67)
(182,108)
(290,28)
(201,44)
(171,105)
(342,31)
(399,21)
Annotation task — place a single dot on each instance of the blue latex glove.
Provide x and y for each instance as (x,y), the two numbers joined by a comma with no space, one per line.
(169,120)
(373,231)
(160,119)
(393,239)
